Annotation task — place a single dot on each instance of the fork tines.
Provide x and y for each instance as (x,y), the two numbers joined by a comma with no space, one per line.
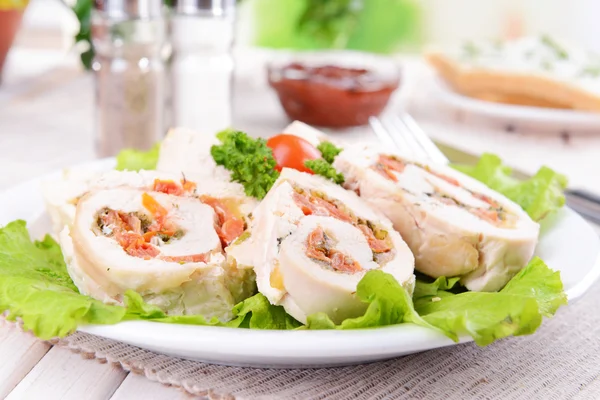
(406,136)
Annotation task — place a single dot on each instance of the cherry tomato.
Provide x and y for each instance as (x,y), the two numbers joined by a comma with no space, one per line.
(292,151)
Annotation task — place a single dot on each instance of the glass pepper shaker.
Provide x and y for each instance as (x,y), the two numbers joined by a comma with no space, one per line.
(130,38)
(202,64)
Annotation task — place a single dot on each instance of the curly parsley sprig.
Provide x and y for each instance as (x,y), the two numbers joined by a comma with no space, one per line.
(328,151)
(323,168)
(250,161)
(252,164)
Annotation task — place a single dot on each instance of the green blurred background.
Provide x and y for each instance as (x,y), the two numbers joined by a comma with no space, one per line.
(380,26)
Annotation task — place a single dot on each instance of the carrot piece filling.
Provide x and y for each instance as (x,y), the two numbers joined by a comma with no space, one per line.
(490,216)
(387,166)
(313,205)
(134,231)
(494,215)
(318,205)
(230,223)
(155,208)
(127,231)
(376,245)
(452,181)
(317,247)
(188,186)
(392,163)
(486,199)
(138,247)
(385,172)
(169,186)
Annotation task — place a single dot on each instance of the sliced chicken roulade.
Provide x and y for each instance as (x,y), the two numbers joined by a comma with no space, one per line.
(455,225)
(162,238)
(188,152)
(311,242)
(62,195)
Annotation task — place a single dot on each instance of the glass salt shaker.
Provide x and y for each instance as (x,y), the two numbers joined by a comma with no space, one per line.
(130,38)
(202,64)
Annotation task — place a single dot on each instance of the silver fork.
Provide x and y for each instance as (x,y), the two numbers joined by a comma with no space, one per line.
(406,136)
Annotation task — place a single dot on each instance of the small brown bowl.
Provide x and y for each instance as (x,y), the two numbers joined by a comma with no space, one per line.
(334,89)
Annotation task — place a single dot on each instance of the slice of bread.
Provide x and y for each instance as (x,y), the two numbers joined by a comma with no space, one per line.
(563,82)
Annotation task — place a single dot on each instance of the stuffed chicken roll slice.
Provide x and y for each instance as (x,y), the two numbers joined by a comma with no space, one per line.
(61,195)
(163,246)
(187,151)
(455,225)
(311,242)
(228,198)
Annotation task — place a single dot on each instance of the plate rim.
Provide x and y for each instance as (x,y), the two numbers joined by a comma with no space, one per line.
(522,113)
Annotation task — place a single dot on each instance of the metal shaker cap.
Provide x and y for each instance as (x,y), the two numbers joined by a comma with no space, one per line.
(120,10)
(215,8)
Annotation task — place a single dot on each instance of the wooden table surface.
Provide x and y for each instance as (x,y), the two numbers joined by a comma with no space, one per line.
(31,369)
(46,124)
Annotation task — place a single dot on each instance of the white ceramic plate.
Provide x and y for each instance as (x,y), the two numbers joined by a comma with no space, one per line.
(555,120)
(567,244)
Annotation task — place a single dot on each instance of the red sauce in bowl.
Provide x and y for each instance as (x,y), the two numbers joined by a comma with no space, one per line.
(331,96)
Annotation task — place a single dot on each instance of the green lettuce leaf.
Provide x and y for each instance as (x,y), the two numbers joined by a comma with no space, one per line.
(517,309)
(255,313)
(135,160)
(389,304)
(538,196)
(424,291)
(483,316)
(540,283)
(137,309)
(35,287)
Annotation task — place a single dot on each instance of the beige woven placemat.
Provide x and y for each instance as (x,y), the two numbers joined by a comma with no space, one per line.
(560,361)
